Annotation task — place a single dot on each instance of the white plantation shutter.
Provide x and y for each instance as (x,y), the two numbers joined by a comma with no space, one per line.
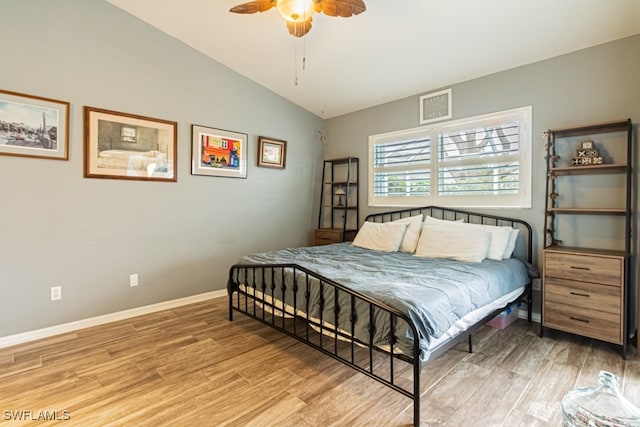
(402,168)
(477,162)
(480,161)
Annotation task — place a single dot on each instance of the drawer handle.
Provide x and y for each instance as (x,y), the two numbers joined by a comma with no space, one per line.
(580,268)
(579,320)
(579,294)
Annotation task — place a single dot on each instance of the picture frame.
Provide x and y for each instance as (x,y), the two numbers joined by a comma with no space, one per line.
(33,126)
(436,106)
(272,153)
(128,146)
(218,152)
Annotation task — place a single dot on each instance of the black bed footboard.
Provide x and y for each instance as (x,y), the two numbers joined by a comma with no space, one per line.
(346,325)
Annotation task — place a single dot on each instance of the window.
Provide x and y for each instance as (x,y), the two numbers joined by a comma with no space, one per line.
(481,161)
(128,134)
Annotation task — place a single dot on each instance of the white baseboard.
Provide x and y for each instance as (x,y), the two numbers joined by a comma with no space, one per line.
(106,318)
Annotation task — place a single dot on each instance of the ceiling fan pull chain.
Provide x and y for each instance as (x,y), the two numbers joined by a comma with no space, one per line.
(295,59)
(304,54)
(295,63)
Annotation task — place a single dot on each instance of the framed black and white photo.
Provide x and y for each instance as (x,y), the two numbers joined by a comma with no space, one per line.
(33,126)
(128,146)
(435,107)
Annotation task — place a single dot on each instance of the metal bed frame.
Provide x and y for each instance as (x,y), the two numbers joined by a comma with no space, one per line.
(255,291)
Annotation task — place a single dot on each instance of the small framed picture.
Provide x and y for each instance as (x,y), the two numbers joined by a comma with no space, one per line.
(33,126)
(435,106)
(217,152)
(127,146)
(272,153)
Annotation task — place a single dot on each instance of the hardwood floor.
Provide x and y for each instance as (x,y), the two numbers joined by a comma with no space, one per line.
(191,366)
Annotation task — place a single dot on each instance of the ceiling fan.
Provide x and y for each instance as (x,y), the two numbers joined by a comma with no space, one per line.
(298,13)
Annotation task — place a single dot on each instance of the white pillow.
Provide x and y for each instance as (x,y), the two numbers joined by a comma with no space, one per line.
(380,236)
(446,221)
(499,235)
(412,233)
(513,236)
(457,243)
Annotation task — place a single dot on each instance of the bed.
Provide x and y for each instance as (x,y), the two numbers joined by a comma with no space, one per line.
(388,310)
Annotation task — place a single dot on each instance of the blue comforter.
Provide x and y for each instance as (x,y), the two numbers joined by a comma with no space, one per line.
(434,293)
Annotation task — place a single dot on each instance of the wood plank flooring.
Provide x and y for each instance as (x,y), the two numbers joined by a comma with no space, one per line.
(191,366)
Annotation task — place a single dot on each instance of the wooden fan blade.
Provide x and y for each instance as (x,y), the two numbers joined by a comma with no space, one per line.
(254,6)
(342,8)
(299,29)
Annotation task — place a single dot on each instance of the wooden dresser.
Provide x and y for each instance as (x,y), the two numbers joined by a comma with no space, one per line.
(583,293)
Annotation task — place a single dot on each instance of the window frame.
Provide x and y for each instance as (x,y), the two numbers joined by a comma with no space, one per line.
(521,200)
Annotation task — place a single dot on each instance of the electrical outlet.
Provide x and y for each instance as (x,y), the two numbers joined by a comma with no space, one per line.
(537,284)
(56,293)
(133,280)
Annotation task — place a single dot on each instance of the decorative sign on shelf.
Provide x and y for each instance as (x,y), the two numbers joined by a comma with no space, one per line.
(587,155)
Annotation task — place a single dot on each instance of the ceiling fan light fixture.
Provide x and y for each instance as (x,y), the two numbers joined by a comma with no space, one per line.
(295,10)
(297,13)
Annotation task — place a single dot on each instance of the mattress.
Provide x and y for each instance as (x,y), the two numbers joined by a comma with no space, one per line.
(470,319)
(436,294)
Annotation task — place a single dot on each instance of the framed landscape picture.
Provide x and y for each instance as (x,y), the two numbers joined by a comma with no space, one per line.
(272,153)
(33,126)
(127,146)
(217,152)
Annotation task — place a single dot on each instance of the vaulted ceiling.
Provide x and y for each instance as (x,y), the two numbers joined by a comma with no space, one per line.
(396,48)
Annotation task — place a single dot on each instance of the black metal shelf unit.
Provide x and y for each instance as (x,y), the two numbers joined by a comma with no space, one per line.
(340,197)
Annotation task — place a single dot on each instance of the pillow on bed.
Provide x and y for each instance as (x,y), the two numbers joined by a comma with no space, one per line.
(456,243)
(499,235)
(412,233)
(380,236)
(438,220)
(513,237)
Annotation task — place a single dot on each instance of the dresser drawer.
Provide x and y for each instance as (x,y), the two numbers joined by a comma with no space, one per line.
(584,295)
(589,323)
(584,268)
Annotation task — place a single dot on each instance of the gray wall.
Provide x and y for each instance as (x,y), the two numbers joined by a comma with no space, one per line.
(597,84)
(88,235)
(592,85)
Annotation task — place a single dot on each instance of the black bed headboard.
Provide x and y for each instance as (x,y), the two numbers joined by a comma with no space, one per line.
(524,245)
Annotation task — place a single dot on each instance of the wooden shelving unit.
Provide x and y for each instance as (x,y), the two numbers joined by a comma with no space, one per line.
(586,286)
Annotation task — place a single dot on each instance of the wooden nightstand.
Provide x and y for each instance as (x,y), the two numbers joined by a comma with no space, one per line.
(326,236)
